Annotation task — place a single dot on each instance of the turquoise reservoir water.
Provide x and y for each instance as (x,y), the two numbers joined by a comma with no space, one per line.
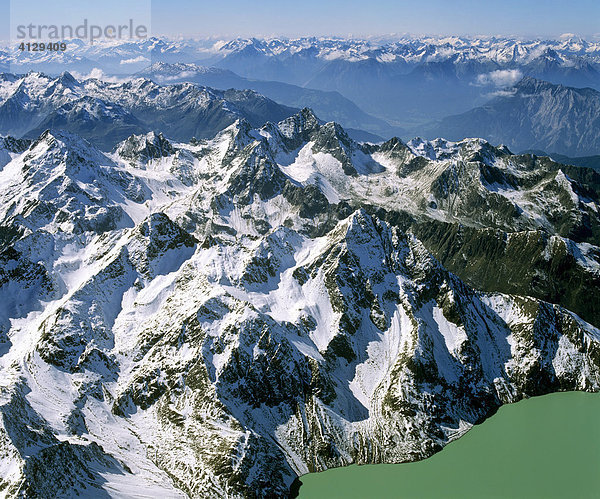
(543,447)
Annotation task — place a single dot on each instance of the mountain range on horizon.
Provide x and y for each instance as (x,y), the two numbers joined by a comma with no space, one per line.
(408,81)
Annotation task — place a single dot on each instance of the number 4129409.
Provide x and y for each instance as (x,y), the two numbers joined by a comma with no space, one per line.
(42,47)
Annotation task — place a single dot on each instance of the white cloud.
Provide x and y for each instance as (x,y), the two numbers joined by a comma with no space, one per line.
(98,74)
(135,60)
(180,76)
(500,78)
(502,93)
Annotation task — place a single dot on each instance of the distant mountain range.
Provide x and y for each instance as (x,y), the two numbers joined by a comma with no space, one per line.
(411,80)
(533,114)
(585,161)
(107,113)
(405,81)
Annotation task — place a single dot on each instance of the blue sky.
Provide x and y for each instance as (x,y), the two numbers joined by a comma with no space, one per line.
(528,18)
(520,17)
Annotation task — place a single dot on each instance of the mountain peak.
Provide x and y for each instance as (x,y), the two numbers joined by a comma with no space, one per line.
(67,79)
(535,114)
(299,125)
(146,147)
(166,72)
(308,115)
(531,83)
(53,148)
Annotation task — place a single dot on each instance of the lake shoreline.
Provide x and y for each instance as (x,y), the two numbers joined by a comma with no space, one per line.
(584,405)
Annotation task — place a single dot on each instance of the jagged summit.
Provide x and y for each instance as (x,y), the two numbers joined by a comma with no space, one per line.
(62,149)
(301,124)
(176,68)
(63,183)
(530,84)
(443,149)
(143,148)
(67,79)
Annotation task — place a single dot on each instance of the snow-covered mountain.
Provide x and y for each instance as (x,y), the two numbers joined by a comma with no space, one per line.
(411,81)
(217,318)
(417,49)
(107,113)
(325,63)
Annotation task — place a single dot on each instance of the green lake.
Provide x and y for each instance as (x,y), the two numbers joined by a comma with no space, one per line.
(543,447)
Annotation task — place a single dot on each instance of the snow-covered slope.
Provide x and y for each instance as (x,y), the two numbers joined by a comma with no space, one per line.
(417,49)
(217,318)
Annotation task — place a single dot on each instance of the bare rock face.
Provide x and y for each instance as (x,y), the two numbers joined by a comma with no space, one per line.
(215,319)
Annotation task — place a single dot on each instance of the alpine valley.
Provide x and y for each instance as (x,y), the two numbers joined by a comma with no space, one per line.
(218,316)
